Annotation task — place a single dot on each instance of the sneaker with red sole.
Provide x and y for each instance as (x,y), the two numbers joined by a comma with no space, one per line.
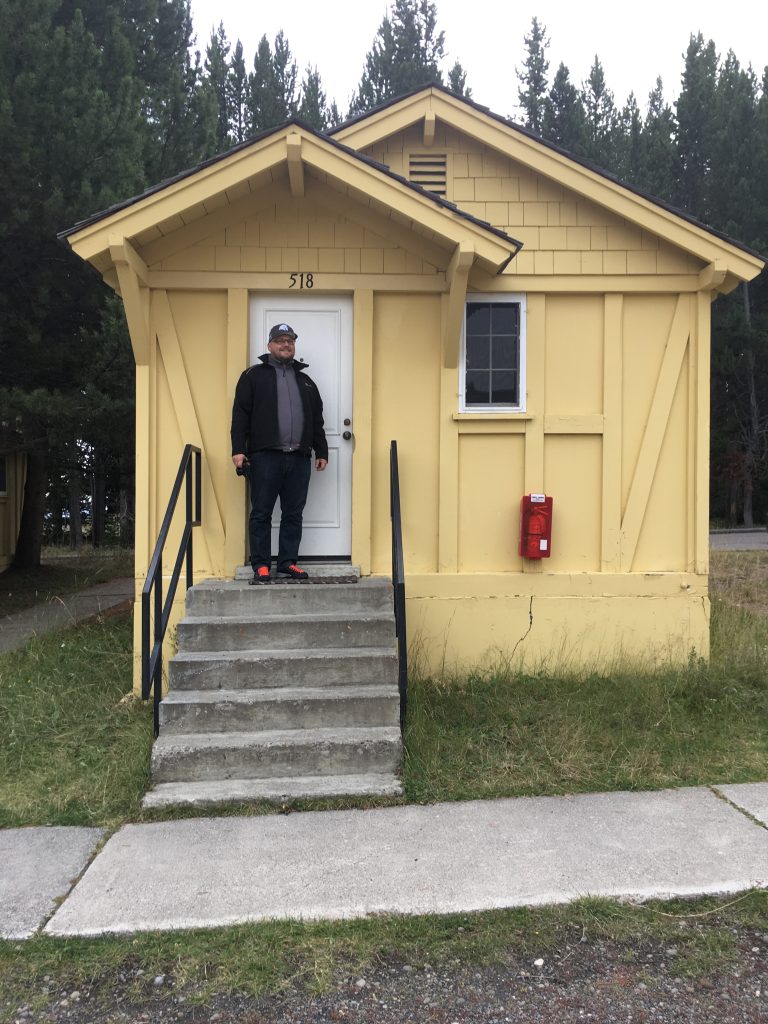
(260,575)
(294,572)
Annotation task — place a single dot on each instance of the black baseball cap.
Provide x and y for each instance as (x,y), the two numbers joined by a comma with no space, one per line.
(279,329)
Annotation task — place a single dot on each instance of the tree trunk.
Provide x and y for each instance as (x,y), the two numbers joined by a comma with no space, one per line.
(75,511)
(99,502)
(124,516)
(30,542)
(754,432)
(749,520)
(732,503)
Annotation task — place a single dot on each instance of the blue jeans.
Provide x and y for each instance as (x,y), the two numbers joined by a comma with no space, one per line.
(277,474)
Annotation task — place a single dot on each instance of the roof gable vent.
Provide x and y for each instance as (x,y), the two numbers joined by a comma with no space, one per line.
(430,170)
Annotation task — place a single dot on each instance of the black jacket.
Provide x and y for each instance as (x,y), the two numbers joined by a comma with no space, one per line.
(254,413)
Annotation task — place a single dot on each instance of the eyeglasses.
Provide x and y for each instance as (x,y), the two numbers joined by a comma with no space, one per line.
(283,341)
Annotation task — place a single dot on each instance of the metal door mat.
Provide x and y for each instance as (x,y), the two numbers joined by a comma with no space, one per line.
(283,580)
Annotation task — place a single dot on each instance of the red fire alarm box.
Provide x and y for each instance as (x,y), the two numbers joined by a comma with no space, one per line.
(535,526)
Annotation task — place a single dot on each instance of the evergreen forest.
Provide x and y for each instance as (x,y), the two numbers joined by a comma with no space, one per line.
(100,99)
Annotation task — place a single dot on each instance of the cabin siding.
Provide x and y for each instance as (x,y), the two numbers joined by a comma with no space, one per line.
(615,425)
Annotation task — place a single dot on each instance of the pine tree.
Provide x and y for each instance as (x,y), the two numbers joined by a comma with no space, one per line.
(405,54)
(601,117)
(761,185)
(286,76)
(179,115)
(217,83)
(659,161)
(564,120)
(313,107)
(735,167)
(71,142)
(457,81)
(271,85)
(237,84)
(695,126)
(743,339)
(628,148)
(533,77)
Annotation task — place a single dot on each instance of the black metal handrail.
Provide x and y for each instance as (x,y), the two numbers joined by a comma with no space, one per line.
(152,658)
(398,580)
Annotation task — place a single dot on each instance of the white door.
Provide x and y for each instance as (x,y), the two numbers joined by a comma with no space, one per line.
(324,328)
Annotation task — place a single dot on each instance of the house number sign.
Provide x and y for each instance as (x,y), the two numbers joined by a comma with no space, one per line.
(302,281)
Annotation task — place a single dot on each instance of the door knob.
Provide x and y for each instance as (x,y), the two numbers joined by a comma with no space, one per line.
(347,435)
(347,422)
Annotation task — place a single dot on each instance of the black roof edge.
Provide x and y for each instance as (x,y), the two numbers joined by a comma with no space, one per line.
(595,168)
(188,172)
(382,168)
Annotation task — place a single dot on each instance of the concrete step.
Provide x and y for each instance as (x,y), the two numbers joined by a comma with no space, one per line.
(234,670)
(199,757)
(195,711)
(314,568)
(237,598)
(277,790)
(277,632)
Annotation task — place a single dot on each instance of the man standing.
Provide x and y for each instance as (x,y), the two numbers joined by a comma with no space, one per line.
(277,419)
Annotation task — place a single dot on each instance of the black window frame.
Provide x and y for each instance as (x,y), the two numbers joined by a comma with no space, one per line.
(493,299)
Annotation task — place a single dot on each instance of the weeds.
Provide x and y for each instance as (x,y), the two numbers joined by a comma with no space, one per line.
(505,733)
(76,744)
(61,574)
(272,956)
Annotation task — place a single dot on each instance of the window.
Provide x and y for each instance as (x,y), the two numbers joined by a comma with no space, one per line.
(493,354)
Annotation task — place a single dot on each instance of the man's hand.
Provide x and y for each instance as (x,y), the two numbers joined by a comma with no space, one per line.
(321,464)
(239,460)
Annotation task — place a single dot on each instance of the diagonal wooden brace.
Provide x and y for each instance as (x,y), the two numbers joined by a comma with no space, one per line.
(132,278)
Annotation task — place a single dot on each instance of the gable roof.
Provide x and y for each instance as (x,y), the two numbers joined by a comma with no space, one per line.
(231,175)
(555,162)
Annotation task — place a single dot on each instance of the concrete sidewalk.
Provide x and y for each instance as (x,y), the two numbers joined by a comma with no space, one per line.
(442,858)
(16,629)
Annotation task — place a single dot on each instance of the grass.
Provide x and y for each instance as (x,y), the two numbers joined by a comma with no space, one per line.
(500,733)
(76,751)
(739,579)
(76,744)
(61,572)
(274,956)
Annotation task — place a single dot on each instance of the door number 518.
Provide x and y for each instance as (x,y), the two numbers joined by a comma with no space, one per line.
(302,281)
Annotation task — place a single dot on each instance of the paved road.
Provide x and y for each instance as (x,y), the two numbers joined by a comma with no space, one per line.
(739,540)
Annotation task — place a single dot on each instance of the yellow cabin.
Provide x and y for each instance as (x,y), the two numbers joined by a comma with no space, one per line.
(518,321)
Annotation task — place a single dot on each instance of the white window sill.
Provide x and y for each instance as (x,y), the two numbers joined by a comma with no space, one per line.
(483,416)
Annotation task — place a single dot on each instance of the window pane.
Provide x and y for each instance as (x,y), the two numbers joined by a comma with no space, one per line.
(478,353)
(504,318)
(492,354)
(504,353)
(504,387)
(478,387)
(478,318)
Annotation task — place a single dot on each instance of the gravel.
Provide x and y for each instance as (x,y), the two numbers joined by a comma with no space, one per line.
(590,980)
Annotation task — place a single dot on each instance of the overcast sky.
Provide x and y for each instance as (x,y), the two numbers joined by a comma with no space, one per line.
(487,38)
